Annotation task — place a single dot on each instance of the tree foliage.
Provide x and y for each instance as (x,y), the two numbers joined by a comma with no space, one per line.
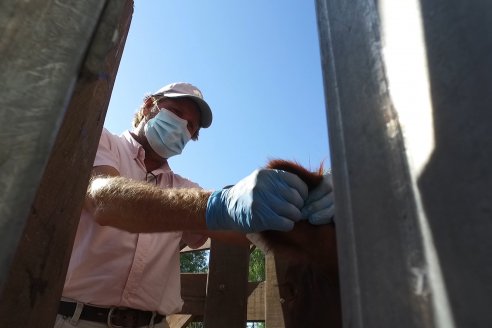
(194,262)
(256,273)
(257,266)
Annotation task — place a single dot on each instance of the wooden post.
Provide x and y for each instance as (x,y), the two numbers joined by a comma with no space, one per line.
(227,286)
(408,88)
(274,317)
(58,71)
(256,301)
(194,294)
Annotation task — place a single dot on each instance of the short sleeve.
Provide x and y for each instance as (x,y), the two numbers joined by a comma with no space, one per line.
(107,152)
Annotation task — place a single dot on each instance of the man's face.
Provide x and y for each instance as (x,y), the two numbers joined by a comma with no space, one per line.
(185,109)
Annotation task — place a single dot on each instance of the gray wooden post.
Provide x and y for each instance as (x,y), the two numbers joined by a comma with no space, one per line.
(227,286)
(408,86)
(57,69)
(274,316)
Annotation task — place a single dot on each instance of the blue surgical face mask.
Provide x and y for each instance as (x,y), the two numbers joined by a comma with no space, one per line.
(167,133)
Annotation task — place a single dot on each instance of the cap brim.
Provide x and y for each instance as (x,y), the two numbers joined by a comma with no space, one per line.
(206,112)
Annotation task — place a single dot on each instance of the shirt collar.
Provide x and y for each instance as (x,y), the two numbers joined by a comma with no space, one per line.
(138,153)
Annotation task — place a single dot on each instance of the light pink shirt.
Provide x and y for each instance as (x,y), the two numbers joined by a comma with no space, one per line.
(111,267)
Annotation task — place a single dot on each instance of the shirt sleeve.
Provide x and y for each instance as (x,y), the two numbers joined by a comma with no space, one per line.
(107,152)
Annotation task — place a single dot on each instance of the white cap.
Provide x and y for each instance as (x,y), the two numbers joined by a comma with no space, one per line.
(187,90)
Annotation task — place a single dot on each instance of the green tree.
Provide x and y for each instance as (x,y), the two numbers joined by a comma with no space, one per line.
(256,266)
(196,261)
(256,273)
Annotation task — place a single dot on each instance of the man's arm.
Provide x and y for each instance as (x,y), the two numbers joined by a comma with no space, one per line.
(265,200)
(141,207)
(137,206)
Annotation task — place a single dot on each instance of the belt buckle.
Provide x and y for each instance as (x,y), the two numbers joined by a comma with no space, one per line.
(125,318)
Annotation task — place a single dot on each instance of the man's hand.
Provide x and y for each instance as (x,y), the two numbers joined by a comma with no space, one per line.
(265,200)
(319,207)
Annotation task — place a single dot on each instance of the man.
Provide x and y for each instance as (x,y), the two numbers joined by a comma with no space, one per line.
(124,274)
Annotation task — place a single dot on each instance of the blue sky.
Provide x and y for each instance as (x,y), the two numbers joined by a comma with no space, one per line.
(258,65)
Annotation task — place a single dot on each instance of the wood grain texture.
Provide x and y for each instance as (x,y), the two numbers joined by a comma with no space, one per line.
(36,275)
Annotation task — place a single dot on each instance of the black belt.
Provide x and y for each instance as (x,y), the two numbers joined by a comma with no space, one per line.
(116,317)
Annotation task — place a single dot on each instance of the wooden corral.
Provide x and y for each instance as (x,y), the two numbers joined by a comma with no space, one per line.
(413,195)
(70,87)
(223,297)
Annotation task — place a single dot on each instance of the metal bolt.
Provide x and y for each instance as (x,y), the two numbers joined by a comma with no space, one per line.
(282,300)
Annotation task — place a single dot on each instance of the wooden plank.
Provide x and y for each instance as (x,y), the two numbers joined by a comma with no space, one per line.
(412,159)
(256,301)
(193,292)
(35,277)
(41,56)
(179,320)
(227,286)
(274,317)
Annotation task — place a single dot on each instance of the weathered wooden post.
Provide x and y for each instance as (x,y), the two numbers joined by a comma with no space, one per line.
(408,88)
(227,286)
(59,62)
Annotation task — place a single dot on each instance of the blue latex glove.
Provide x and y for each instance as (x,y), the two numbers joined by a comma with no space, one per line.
(319,207)
(265,200)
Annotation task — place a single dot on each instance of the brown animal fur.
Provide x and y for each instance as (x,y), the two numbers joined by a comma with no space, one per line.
(310,285)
